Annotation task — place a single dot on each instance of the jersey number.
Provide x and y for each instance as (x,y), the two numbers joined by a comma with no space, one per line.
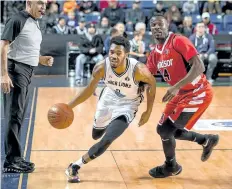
(166,75)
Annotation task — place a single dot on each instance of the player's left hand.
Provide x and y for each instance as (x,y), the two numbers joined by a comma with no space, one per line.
(171,92)
(144,118)
(46,60)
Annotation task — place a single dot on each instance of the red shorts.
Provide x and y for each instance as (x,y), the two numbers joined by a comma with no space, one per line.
(187,107)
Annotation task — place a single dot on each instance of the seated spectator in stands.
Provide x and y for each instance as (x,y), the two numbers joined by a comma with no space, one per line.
(227,8)
(205,46)
(212,6)
(190,7)
(70,6)
(91,48)
(81,29)
(104,27)
(13,7)
(141,28)
(158,10)
(50,19)
(87,7)
(121,29)
(174,14)
(172,26)
(114,13)
(187,28)
(138,48)
(134,16)
(211,28)
(61,27)
(71,21)
(113,33)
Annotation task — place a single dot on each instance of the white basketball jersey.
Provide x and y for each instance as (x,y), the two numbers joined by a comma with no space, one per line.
(123,85)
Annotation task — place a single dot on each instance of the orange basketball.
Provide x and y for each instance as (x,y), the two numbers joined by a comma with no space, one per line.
(60,116)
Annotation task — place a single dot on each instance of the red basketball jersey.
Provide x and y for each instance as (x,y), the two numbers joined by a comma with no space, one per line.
(171,60)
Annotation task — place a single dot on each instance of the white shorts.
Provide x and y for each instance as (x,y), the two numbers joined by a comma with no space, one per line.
(110,107)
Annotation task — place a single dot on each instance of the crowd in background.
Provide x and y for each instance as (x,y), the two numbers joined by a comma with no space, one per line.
(92,19)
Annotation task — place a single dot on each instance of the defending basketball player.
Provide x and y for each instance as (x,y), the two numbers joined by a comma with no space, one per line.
(118,101)
(190,94)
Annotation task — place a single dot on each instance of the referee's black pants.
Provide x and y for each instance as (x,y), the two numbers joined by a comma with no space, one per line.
(15,105)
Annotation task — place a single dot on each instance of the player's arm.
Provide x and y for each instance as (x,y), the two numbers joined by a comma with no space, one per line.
(197,68)
(98,73)
(142,74)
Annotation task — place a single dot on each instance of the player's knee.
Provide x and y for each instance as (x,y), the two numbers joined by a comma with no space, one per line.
(96,133)
(166,130)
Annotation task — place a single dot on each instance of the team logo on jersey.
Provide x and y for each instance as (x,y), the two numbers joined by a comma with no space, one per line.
(166,51)
(127,78)
(165,63)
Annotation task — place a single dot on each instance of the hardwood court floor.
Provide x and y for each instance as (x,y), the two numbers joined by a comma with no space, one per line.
(126,163)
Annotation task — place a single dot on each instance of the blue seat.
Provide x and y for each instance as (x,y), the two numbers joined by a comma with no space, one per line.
(147,4)
(196,18)
(217,20)
(227,22)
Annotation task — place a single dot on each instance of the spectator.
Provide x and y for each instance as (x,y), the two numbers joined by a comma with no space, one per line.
(81,29)
(50,19)
(87,7)
(114,13)
(138,48)
(158,10)
(61,27)
(134,16)
(227,8)
(205,46)
(71,21)
(212,6)
(104,27)
(141,28)
(187,28)
(91,47)
(121,28)
(174,15)
(211,28)
(70,6)
(113,33)
(189,7)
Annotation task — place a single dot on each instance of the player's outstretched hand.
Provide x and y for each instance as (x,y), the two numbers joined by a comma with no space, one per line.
(46,60)
(171,92)
(144,118)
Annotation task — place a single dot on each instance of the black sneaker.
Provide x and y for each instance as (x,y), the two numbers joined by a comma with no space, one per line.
(165,170)
(72,173)
(211,142)
(27,163)
(19,167)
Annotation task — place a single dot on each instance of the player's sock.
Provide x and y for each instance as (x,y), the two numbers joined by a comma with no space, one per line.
(80,162)
(182,134)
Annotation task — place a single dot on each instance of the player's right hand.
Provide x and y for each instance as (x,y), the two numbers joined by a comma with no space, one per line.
(6,83)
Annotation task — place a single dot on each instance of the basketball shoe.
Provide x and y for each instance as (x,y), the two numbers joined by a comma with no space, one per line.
(166,170)
(72,173)
(210,143)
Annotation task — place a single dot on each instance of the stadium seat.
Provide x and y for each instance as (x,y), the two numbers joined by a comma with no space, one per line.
(228,23)
(147,4)
(196,18)
(217,20)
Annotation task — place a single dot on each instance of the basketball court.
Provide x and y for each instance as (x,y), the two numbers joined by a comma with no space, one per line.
(126,163)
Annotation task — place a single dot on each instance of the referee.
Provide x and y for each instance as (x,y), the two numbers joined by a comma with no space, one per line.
(20,54)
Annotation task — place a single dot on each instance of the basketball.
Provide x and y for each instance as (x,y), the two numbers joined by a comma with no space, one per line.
(60,116)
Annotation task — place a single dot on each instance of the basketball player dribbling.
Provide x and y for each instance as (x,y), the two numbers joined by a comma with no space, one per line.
(175,57)
(118,101)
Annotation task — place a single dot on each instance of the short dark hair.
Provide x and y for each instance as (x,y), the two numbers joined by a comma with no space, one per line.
(120,40)
(113,31)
